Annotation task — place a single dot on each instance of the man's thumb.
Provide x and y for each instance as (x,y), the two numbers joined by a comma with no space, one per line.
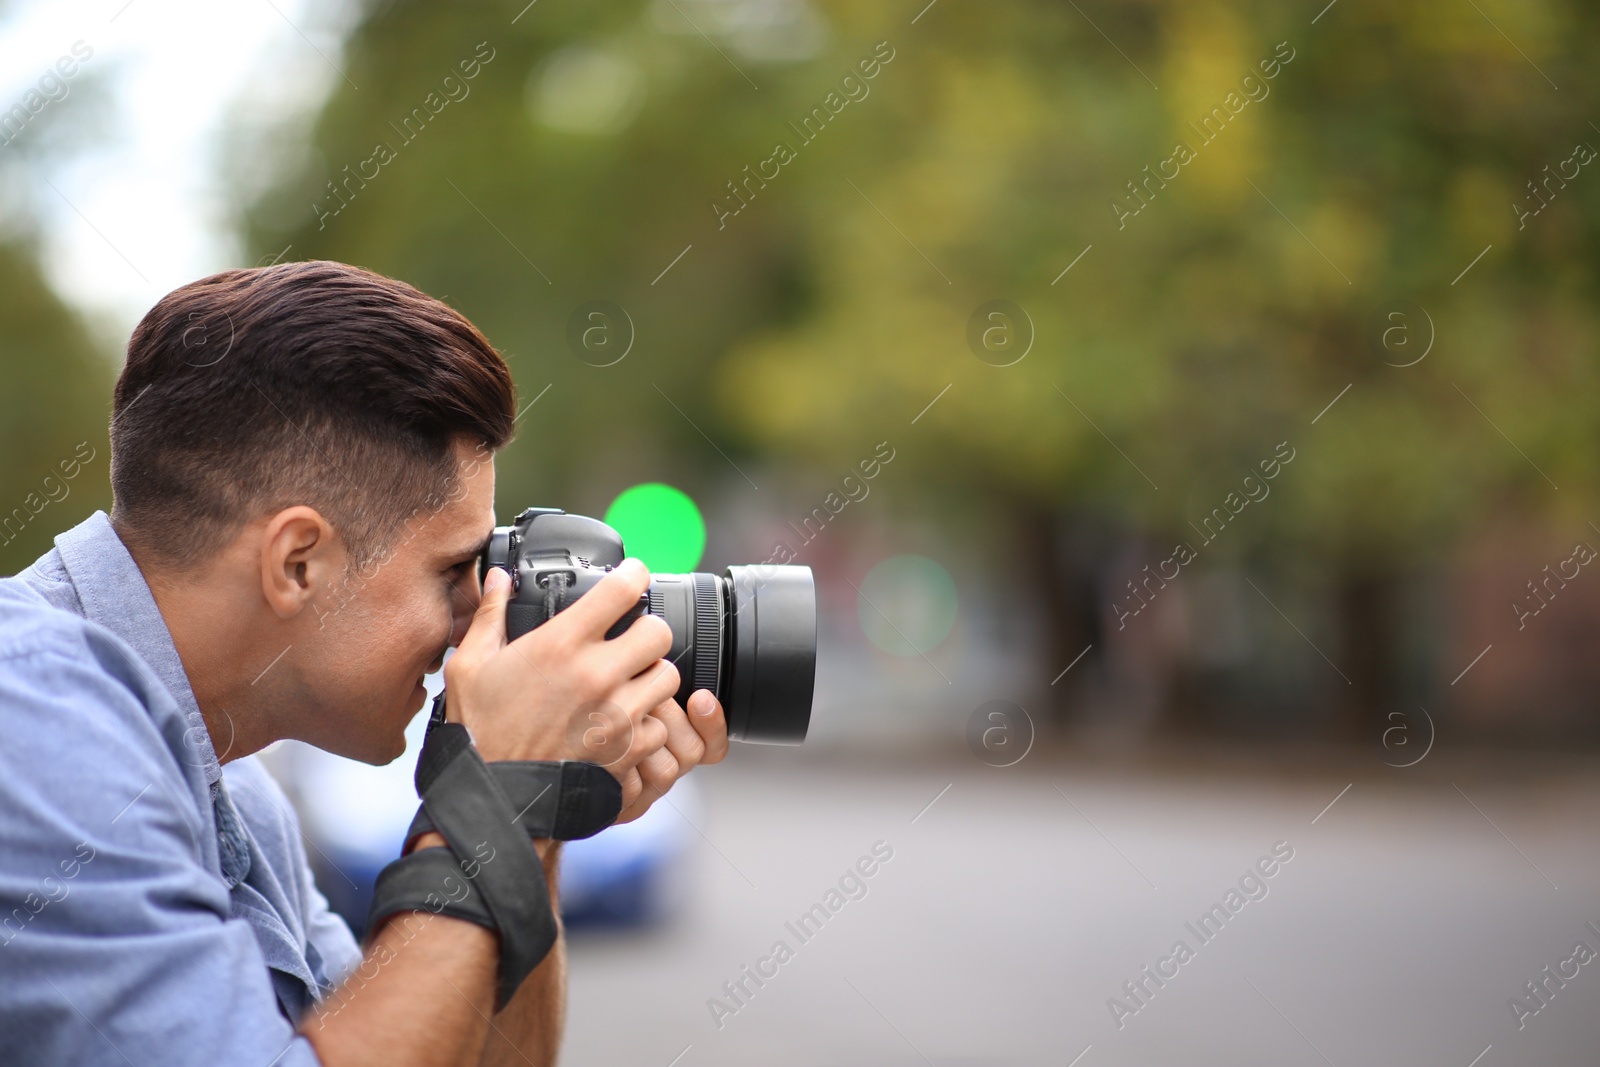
(487,633)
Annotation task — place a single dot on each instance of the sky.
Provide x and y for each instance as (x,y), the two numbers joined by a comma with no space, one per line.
(142,203)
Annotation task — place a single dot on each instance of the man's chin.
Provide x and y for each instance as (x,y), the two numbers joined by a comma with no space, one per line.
(384,746)
(388,755)
(398,750)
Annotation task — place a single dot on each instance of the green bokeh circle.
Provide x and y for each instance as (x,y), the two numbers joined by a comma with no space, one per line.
(660,525)
(907,605)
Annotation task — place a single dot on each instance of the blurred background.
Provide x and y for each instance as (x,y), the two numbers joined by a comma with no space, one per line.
(1187,409)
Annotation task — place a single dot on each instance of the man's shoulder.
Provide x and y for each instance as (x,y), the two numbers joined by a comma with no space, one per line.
(34,622)
(61,672)
(89,730)
(44,583)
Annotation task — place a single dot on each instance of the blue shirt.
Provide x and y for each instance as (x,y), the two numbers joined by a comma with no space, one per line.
(155,906)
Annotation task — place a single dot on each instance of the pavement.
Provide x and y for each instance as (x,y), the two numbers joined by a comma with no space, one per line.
(1006,908)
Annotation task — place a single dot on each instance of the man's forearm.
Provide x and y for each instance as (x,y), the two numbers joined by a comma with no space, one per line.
(420,997)
(425,991)
(529,1029)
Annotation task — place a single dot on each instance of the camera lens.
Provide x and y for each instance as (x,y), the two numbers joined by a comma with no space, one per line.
(749,636)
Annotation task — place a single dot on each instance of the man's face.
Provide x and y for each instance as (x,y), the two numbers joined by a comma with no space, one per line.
(374,637)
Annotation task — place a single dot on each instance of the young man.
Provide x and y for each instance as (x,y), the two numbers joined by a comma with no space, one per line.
(302,467)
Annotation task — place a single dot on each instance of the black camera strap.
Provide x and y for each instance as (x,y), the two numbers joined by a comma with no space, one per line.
(564,799)
(490,856)
(431,880)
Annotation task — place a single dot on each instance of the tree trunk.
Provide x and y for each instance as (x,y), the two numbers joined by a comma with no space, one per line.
(1063,553)
(1369,653)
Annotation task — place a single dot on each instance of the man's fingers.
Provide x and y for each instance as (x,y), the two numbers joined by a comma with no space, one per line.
(641,740)
(683,741)
(487,633)
(656,775)
(639,646)
(649,740)
(632,786)
(659,770)
(597,611)
(639,696)
(709,721)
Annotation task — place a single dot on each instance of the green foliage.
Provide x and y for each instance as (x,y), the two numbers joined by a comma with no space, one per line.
(54,393)
(1196,335)
(53,405)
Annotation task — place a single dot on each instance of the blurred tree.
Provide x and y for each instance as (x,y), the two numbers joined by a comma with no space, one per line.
(541,190)
(1217,301)
(54,402)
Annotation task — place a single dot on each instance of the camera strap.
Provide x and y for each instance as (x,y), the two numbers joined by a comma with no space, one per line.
(431,880)
(564,799)
(490,874)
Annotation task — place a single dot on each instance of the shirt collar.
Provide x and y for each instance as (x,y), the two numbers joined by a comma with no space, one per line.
(114,594)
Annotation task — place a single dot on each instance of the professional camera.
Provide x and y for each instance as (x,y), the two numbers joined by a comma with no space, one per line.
(749,635)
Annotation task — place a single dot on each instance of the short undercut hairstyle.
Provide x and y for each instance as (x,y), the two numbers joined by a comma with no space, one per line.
(302,383)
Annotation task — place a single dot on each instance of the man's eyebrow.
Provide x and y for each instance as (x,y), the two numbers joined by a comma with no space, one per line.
(471,552)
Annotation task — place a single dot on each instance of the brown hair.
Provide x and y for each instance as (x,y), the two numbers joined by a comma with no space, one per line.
(302,383)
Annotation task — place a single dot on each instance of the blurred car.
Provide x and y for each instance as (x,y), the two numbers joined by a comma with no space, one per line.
(355,817)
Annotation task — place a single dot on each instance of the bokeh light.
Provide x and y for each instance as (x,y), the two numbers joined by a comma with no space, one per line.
(907,605)
(660,525)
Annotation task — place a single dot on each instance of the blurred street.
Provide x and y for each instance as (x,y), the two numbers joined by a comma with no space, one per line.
(1021,901)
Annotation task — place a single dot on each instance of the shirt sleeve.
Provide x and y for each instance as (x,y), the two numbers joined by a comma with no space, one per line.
(117,943)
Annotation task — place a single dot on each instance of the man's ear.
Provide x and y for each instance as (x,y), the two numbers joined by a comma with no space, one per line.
(302,558)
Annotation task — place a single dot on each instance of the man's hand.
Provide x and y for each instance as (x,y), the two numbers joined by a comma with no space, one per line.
(699,737)
(562,691)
